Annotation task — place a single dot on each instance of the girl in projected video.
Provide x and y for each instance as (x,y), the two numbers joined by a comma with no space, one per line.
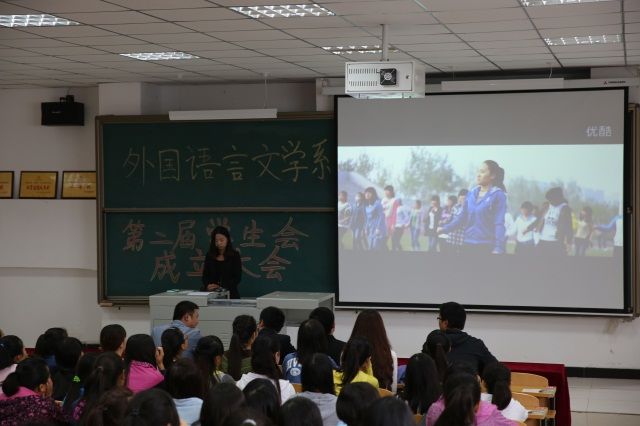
(375,223)
(555,225)
(483,212)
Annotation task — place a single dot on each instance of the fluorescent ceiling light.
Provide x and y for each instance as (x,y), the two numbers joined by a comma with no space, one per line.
(349,50)
(224,114)
(528,3)
(160,56)
(34,21)
(591,39)
(283,11)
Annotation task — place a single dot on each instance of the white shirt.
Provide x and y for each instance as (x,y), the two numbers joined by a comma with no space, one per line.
(521,224)
(286,389)
(514,411)
(394,383)
(550,227)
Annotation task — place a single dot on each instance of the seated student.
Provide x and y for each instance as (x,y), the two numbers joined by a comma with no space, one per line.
(47,343)
(464,348)
(301,412)
(237,360)
(461,405)
(353,402)
(389,411)
(311,340)
(108,373)
(264,365)
(174,343)
(11,353)
(67,355)
(437,346)
(422,385)
(84,368)
(369,324)
(317,385)
(113,338)
(328,321)
(186,316)
(185,385)
(110,408)
(497,379)
(26,395)
(220,403)
(143,363)
(355,365)
(247,416)
(270,323)
(151,407)
(262,396)
(208,358)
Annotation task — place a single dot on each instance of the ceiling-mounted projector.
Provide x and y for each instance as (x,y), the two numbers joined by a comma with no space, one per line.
(384,79)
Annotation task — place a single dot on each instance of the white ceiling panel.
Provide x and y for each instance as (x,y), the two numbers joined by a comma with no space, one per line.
(632,37)
(632,28)
(631,5)
(239,53)
(10,52)
(503,44)
(306,22)
(542,58)
(448,54)
(161,4)
(95,18)
(134,48)
(40,60)
(489,27)
(272,44)
(576,9)
(227,3)
(251,61)
(106,57)
(409,29)
(72,31)
(579,21)
(375,7)
(502,35)
(62,6)
(14,33)
(230,25)
(633,45)
(633,60)
(596,54)
(186,37)
(33,42)
(325,59)
(439,5)
(296,51)
(200,14)
(433,47)
(481,15)
(251,35)
(515,51)
(392,19)
(611,61)
(103,40)
(323,33)
(421,39)
(198,48)
(154,28)
(632,16)
(586,48)
(68,50)
(14,9)
(519,65)
(345,41)
(581,31)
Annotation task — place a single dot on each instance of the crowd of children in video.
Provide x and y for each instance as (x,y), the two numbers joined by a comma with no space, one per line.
(178,377)
(475,221)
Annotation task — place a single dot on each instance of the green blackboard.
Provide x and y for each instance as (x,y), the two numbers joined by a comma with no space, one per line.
(162,187)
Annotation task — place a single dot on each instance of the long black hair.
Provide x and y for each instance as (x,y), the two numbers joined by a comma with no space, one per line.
(355,354)
(373,192)
(461,396)
(107,371)
(220,403)
(205,354)
(437,346)
(228,250)
(11,347)
(140,347)
(151,407)
(497,378)
(388,412)
(244,328)
(263,359)
(498,174)
(312,339)
(48,341)
(172,340)
(422,385)
(110,408)
(30,373)
(353,402)
(301,411)
(262,396)
(317,375)
(184,380)
(84,368)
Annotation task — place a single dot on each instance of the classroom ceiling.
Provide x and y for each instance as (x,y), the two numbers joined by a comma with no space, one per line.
(447,35)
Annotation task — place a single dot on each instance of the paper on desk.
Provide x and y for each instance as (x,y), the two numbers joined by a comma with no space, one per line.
(198,293)
(531,390)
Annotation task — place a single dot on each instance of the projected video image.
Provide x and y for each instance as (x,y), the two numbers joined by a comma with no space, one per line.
(521,200)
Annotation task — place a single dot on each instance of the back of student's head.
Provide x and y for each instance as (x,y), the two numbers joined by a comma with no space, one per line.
(109,410)
(422,384)
(262,396)
(454,314)
(153,407)
(11,351)
(273,318)
(219,403)
(247,416)
(140,347)
(244,328)
(317,374)
(112,337)
(172,341)
(263,356)
(497,379)
(183,308)
(184,380)
(461,396)
(353,402)
(438,346)
(388,411)
(311,339)
(68,353)
(84,368)
(457,367)
(354,356)
(107,374)
(301,411)
(48,341)
(208,351)
(326,318)
(369,324)
(31,373)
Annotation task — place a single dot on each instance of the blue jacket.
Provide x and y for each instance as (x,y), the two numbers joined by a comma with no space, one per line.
(482,219)
(193,334)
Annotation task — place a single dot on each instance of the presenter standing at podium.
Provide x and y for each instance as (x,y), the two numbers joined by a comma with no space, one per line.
(222,266)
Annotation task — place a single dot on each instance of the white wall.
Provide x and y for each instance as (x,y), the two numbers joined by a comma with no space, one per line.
(45,290)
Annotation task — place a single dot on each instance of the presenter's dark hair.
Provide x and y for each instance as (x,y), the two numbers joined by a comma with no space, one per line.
(228,250)
(370,325)
(300,411)
(107,370)
(112,336)
(498,174)
(273,318)
(171,340)
(30,373)
(68,353)
(497,378)
(317,374)
(48,341)
(220,403)
(83,370)
(437,346)
(184,380)
(422,384)
(244,327)
(151,407)
(262,396)
(356,352)
(461,395)
(454,313)
(311,339)
(10,348)
(263,359)
(204,355)
(388,411)
(326,318)
(183,308)
(110,408)
(353,402)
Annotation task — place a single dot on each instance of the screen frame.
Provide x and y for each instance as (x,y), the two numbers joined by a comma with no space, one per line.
(628,187)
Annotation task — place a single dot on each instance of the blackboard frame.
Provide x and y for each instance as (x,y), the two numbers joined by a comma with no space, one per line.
(100,121)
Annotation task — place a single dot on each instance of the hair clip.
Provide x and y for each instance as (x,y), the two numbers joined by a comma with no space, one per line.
(76,379)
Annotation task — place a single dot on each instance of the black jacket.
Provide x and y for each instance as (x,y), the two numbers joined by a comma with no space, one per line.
(468,349)
(226,273)
(285,342)
(335,348)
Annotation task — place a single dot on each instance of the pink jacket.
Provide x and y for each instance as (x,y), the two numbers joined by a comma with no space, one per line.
(487,414)
(143,376)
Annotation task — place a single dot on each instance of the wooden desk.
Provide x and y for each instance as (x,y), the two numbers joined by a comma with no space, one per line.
(543,394)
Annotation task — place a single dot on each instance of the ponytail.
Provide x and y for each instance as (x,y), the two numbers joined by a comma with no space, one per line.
(76,390)
(263,361)
(498,174)
(355,354)
(204,355)
(461,395)
(108,369)
(109,409)
(244,326)
(172,340)
(10,348)
(497,378)
(29,373)
(438,346)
